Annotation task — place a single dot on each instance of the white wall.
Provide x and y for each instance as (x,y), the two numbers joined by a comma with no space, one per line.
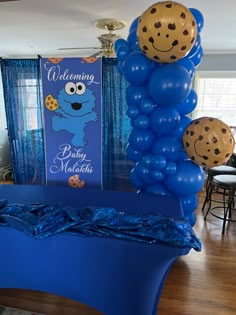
(218,62)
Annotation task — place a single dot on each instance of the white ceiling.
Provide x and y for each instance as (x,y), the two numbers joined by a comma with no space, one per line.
(39,27)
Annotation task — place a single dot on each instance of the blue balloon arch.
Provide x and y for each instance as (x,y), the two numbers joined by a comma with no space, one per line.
(159,98)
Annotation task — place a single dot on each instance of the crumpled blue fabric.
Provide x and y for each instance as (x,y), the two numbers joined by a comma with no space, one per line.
(40,221)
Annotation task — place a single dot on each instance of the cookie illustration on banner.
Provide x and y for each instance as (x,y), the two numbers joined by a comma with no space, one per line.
(75,182)
(89,59)
(51,103)
(55,60)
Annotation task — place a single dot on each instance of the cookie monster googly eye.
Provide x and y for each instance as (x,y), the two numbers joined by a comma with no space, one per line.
(70,88)
(80,88)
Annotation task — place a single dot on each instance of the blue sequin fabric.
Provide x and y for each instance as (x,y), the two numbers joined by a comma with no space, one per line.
(40,221)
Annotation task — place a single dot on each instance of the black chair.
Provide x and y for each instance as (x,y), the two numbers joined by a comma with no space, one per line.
(225,186)
(210,173)
(232,160)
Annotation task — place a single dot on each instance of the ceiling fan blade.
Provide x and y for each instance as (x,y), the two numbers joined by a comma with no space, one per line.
(98,54)
(8,0)
(71,48)
(106,40)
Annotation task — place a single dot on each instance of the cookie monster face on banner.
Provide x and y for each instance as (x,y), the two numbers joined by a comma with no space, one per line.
(167,31)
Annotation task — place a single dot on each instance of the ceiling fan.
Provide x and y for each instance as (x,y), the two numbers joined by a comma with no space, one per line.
(106,40)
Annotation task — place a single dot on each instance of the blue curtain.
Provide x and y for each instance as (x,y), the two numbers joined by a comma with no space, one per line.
(116,129)
(22,95)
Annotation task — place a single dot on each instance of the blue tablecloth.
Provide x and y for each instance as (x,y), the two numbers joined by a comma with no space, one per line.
(110,273)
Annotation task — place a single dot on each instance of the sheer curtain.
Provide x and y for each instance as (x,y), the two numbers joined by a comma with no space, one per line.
(116,128)
(21,87)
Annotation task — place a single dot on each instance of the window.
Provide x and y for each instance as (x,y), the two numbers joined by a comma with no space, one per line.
(216,96)
(29,93)
(3,122)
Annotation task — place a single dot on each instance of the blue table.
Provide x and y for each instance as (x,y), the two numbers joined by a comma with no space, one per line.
(116,277)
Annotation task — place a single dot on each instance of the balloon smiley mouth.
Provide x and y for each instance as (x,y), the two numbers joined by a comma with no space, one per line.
(162,50)
(196,151)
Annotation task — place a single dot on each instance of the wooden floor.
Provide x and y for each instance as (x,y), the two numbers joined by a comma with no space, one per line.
(204,282)
(198,284)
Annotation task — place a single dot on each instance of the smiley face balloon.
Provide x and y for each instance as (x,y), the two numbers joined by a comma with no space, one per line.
(166,31)
(208,141)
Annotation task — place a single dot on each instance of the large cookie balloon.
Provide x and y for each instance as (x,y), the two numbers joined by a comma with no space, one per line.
(166,31)
(208,141)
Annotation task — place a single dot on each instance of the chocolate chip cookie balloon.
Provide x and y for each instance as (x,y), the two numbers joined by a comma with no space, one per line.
(208,141)
(167,31)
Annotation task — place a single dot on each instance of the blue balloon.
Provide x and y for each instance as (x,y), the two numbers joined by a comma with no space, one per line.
(157,175)
(134,94)
(147,160)
(141,139)
(134,25)
(184,156)
(120,42)
(170,168)
(195,47)
(147,106)
(183,124)
(188,65)
(189,104)
(137,68)
(164,120)
(123,52)
(133,111)
(135,180)
(191,218)
(169,146)
(188,179)
(158,162)
(189,204)
(132,123)
(157,189)
(132,40)
(134,155)
(169,84)
(142,121)
(197,58)
(198,17)
(144,173)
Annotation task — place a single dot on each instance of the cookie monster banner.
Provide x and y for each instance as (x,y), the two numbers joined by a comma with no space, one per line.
(72,115)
